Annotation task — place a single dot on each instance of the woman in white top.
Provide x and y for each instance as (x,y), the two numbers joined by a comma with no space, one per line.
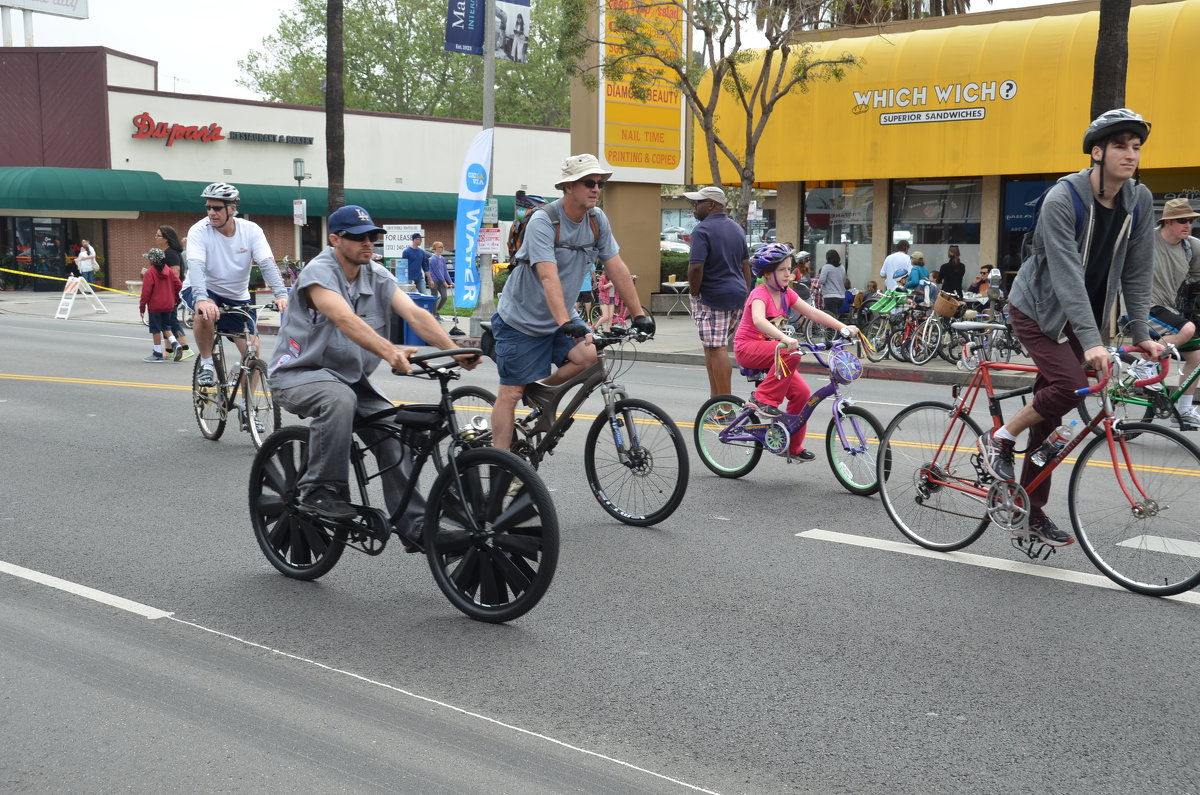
(85,262)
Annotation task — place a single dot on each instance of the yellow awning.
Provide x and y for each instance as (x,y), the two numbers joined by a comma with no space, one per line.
(1004,98)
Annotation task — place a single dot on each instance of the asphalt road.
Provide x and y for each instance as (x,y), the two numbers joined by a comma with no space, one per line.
(720,651)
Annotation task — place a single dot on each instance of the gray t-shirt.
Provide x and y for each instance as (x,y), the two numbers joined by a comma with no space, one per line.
(310,346)
(523,302)
(1171,267)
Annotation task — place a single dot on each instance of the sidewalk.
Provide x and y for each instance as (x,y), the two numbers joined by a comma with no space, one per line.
(675,342)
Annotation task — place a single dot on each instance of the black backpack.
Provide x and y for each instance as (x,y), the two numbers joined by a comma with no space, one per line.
(516,235)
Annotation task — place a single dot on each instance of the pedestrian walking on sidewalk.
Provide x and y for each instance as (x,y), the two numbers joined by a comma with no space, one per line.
(160,294)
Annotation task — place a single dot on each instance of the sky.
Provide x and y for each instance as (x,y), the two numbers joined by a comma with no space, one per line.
(198,44)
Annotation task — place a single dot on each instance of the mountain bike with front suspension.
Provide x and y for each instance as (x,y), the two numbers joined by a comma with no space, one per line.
(634,457)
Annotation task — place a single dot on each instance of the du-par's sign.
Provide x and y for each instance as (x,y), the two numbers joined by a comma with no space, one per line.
(76,9)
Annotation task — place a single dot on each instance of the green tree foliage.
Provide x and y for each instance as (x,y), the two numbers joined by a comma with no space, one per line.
(394,63)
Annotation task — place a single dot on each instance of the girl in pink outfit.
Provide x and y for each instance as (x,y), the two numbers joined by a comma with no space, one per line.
(756,341)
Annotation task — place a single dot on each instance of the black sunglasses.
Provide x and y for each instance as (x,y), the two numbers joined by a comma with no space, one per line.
(372,236)
(215,208)
(593,183)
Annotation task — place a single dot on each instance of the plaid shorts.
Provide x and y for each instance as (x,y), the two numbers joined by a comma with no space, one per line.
(716,326)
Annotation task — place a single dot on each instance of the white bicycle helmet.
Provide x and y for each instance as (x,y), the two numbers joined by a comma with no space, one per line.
(222,191)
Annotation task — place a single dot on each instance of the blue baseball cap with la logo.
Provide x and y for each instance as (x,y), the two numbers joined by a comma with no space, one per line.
(352,219)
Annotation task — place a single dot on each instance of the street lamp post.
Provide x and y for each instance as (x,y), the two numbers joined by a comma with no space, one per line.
(299,212)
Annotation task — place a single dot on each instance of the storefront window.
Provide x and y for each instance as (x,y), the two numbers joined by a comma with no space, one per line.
(838,215)
(936,214)
(45,248)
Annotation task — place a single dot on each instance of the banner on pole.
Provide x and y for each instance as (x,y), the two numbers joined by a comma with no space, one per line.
(299,212)
(472,196)
(512,30)
(464,26)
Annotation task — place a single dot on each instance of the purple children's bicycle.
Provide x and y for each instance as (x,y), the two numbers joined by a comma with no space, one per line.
(731,437)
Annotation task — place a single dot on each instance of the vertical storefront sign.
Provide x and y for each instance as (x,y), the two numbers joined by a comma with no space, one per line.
(472,197)
(642,141)
(464,26)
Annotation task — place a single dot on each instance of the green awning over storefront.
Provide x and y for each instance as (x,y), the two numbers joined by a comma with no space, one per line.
(66,189)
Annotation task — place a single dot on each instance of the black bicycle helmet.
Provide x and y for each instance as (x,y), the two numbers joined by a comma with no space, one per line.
(1113,122)
(766,257)
(221,191)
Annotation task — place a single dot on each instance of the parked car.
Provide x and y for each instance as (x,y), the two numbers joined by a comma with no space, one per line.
(673,245)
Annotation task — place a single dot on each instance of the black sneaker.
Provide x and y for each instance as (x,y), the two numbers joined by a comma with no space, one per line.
(1041,528)
(997,455)
(764,409)
(805,455)
(325,502)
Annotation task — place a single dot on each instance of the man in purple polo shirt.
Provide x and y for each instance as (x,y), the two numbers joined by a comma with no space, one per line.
(719,281)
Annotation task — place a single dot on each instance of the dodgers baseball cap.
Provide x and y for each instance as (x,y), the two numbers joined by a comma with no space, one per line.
(352,219)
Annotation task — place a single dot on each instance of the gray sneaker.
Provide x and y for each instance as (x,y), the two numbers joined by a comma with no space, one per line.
(207,375)
(1044,530)
(997,456)
(153,357)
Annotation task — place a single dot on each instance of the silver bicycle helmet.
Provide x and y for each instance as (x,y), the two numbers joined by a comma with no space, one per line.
(222,191)
(1112,122)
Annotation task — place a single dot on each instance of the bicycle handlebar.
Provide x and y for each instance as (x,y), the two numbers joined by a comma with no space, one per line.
(1164,368)
(421,360)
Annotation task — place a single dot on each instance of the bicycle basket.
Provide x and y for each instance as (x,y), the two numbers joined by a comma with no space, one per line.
(844,366)
(946,305)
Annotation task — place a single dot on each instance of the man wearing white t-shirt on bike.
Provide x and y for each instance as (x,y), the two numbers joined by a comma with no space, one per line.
(221,250)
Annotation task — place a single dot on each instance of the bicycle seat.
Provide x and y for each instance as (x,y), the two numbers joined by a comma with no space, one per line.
(975,325)
(752,375)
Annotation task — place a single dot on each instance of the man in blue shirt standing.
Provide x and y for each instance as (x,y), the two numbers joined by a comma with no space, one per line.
(719,281)
(417,259)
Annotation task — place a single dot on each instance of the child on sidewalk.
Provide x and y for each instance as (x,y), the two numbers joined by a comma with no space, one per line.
(755,344)
(160,294)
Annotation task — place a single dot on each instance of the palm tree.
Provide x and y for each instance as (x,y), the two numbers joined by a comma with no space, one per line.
(335,105)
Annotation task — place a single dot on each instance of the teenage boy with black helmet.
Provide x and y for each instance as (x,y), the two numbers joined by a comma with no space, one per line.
(1065,290)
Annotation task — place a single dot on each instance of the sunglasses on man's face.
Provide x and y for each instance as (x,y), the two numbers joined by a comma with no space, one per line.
(593,183)
(214,208)
(372,236)
(1184,221)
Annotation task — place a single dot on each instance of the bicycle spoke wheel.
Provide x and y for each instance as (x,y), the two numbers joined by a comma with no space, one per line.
(854,465)
(209,402)
(473,414)
(491,535)
(295,544)
(924,468)
(877,332)
(1141,531)
(262,415)
(729,460)
(952,350)
(897,345)
(925,341)
(637,470)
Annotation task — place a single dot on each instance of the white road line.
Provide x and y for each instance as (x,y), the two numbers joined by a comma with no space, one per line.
(1000,564)
(152,613)
(145,611)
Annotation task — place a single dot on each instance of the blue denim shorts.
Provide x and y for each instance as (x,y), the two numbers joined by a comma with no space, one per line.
(163,321)
(522,359)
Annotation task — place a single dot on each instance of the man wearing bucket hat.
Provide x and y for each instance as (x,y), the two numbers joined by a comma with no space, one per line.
(536,326)
(330,341)
(719,280)
(1176,261)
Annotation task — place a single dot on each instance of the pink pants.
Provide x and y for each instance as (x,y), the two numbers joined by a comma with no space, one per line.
(759,355)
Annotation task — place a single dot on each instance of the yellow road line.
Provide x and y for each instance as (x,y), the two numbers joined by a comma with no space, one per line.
(93,381)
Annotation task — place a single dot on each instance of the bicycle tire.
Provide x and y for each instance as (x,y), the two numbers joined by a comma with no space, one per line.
(491,535)
(925,341)
(639,478)
(1152,552)
(877,333)
(855,468)
(210,403)
(897,345)
(260,405)
(931,514)
(952,350)
(727,460)
(814,332)
(470,402)
(294,544)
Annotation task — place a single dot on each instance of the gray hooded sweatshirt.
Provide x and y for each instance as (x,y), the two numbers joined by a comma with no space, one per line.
(1050,289)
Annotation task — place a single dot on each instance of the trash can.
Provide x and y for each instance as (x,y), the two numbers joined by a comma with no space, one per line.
(401,333)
